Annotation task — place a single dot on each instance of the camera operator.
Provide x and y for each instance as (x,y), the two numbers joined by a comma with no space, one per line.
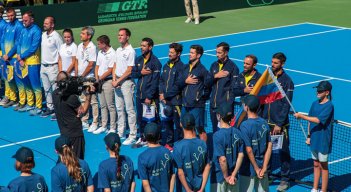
(69,109)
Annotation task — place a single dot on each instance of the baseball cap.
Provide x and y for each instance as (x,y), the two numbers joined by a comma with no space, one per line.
(224,110)
(251,101)
(111,140)
(324,86)
(24,155)
(61,142)
(188,121)
(167,110)
(152,129)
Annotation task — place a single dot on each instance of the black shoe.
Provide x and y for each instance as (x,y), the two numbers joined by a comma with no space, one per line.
(47,113)
(53,118)
(19,106)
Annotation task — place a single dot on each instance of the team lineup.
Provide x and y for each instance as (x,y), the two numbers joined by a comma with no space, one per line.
(132,98)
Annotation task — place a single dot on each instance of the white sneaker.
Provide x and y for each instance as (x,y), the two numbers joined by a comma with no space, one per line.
(138,142)
(314,190)
(197,21)
(128,141)
(92,128)
(4,101)
(141,143)
(100,130)
(85,125)
(188,20)
(283,186)
(111,131)
(121,136)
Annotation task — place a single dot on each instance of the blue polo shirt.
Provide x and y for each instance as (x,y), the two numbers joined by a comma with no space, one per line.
(35,182)
(155,164)
(226,142)
(322,133)
(107,175)
(255,134)
(62,181)
(191,155)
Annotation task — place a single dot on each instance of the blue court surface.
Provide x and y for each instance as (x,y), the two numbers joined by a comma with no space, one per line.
(314,53)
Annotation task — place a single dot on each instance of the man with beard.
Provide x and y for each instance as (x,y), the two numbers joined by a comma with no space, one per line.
(248,78)
(28,64)
(147,70)
(196,89)
(170,93)
(277,116)
(50,46)
(223,74)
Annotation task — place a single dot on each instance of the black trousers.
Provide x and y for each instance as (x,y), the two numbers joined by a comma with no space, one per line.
(78,145)
(177,134)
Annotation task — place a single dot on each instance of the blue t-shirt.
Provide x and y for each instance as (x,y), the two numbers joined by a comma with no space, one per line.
(322,133)
(61,181)
(155,164)
(226,142)
(107,177)
(33,183)
(255,134)
(191,155)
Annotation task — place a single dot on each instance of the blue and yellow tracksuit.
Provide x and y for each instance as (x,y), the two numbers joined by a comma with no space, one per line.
(194,96)
(28,50)
(277,113)
(222,89)
(197,94)
(147,86)
(241,83)
(11,34)
(2,27)
(173,95)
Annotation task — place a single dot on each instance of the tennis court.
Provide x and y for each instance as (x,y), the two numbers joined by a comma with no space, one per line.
(314,52)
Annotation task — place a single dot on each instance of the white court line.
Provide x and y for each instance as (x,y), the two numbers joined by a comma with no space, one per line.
(296,71)
(330,163)
(30,140)
(250,31)
(313,82)
(237,33)
(325,25)
(280,39)
(272,40)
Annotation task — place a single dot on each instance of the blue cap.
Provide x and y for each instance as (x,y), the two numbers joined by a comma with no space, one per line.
(225,109)
(188,121)
(111,140)
(251,101)
(324,86)
(152,129)
(24,155)
(61,142)
(167,110)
